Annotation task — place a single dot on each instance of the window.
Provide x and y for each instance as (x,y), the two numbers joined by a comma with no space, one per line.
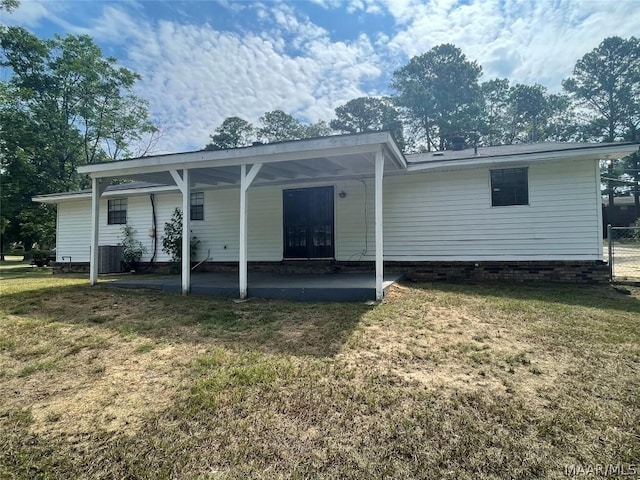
(509,186)
(197,206)
(117,211)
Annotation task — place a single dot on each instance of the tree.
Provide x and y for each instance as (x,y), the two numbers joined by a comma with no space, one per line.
(496,127)
(369,114)
(318,129)
(524,113)
(9,5)
(440,94)
(278,126)
(561,124)
(606,81)
(530,109)
(63,106)
(232,133)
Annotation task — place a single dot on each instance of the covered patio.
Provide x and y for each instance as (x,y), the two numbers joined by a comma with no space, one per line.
(335,287)
(297,163)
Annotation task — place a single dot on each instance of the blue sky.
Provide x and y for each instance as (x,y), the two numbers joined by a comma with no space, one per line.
(203,61)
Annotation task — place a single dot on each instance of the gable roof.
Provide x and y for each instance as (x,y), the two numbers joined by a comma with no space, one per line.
(353,147)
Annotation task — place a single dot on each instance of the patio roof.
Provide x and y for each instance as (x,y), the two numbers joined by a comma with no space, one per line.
(357,155)
(291,161)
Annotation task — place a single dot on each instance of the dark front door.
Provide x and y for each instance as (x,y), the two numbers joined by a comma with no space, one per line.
(308,222)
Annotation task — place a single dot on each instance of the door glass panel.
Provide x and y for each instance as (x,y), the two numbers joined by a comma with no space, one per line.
(308,222)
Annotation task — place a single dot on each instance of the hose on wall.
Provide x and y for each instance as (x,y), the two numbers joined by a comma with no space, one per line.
(154,228)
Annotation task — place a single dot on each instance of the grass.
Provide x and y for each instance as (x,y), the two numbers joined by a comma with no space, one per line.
(438,381)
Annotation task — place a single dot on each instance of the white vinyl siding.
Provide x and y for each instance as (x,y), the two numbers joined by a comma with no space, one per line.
(448,216)
(436,216)
(73,231)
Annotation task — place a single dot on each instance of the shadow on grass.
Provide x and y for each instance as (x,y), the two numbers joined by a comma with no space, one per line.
(591,296)
(272,326)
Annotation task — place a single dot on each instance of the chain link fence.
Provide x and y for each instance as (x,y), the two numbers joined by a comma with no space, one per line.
(624,253)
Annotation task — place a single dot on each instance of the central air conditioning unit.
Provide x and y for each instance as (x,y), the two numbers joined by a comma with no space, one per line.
(109,258)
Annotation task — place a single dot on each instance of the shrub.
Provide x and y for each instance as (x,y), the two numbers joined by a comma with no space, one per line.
(132,249)
(40,258)
(172,240)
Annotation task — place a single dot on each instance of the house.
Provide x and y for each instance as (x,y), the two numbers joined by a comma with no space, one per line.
(522,212)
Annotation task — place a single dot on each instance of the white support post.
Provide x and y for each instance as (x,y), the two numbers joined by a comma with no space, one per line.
(178,179)
(245,182)
(379,168)
(186,232)
(95,230)
(98,186)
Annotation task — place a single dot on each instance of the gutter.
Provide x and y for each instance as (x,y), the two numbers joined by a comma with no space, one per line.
(68,196)
(578,153)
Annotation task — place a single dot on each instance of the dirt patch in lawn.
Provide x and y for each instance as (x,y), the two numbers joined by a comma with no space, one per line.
(106,384)
(448,347)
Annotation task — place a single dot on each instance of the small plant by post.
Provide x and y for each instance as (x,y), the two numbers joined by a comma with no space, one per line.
(172,240)
(132,249)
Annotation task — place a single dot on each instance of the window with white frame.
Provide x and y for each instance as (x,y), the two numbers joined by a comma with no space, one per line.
(117,211)
(197,206)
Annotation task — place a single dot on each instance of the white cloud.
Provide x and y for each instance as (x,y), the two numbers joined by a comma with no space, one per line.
(32,13)
(525,40)
(195,76)
(327,4)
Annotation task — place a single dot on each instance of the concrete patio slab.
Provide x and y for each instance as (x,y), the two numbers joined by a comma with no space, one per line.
(328,287)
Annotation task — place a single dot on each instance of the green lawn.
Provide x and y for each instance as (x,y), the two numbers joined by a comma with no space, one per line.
(439,381)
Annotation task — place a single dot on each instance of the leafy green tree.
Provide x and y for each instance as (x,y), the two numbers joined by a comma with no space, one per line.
(496,127)
(318,129)
(606,81)
(232,133)
(440,94)
(524,113)
(530,109)
(64,105)
(9,5)
(369,114)
(561,124)
(278,126)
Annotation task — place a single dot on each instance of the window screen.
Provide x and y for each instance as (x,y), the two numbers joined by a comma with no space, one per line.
(509,186)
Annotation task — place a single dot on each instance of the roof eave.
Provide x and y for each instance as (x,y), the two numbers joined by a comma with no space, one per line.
(268,153)
(55,198)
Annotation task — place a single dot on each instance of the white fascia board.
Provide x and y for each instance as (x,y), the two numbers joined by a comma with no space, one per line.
(395,154)
(595,153)
(269,153)
(68,197)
